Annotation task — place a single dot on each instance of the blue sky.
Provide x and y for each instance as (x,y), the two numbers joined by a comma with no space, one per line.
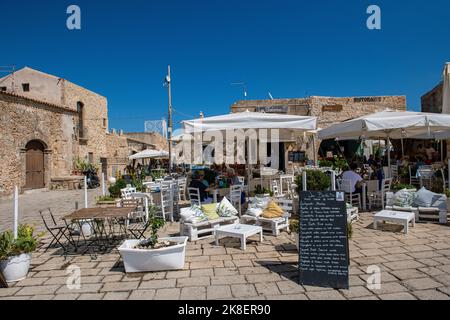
(290,48)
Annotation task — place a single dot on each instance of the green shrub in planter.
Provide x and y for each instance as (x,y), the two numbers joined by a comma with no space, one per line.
(26,242)
(400,186)
(114,190)
(316,180)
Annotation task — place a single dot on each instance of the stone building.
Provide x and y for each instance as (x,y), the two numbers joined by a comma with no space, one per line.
(46,124)
(432,100)
(328,110)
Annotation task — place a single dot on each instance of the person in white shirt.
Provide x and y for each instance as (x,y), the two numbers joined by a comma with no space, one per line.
(354,178)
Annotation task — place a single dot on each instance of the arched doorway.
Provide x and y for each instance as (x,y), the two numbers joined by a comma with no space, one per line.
(34,165)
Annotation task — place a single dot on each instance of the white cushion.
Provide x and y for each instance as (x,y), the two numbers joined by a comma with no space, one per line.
(226,209)
(254,212)
(193,214)
(404,198)
(424,198)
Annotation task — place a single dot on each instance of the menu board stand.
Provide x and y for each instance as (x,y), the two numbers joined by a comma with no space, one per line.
(324,250)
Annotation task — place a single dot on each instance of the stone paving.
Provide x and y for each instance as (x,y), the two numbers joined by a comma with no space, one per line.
(413,266)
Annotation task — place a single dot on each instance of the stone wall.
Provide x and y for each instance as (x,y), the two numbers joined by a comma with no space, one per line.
(118,153)
(432,100)
(95,120)
(152,138)
(23,120)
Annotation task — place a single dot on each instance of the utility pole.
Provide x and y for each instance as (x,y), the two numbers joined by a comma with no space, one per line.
(170,124)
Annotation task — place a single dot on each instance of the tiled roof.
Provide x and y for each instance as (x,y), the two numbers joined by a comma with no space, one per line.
(15,95)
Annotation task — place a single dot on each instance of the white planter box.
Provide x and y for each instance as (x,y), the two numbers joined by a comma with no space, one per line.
(149,260)
(16,268)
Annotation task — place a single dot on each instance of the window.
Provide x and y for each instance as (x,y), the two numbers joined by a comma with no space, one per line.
(80,110)
(104,122)
(2,88)
(91,157)
(25,87)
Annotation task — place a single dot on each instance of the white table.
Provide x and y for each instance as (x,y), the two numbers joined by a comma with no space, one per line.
(240,231)
(400,217)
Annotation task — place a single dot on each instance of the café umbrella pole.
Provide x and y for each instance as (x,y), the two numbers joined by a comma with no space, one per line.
(389,155)
(103,184)
(85,193)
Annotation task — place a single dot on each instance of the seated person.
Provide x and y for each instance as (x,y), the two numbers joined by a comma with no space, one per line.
(371,160)
(198,184)
(201,173)
(234,181)
(354,178)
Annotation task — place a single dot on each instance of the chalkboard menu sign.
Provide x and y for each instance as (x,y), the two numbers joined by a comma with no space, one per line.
(324,255)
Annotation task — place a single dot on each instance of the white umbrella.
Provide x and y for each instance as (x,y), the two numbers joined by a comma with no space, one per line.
(446,90)
(388,124)
(251,120)
(150,154)
(287,125)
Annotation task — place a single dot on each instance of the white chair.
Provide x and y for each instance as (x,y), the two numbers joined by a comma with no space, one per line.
(351,197)
(394,172)
(182,185)
(127,192)
(194,197)
(167,203)
(236,196)
(275,189)
(285,183)
(413,180)
(379,198)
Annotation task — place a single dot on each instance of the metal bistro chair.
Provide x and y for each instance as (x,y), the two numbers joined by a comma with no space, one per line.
(58,231)
(136,223)
(194,196)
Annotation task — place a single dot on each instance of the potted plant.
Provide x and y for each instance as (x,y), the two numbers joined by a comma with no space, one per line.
(316,180)
(294,226)
(154,253)
(15,254)
(106,201)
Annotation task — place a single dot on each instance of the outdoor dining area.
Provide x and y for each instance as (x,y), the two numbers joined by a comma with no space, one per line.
(235,207)
(213,200)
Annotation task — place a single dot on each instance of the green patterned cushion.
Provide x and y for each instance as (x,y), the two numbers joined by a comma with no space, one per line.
(226,209)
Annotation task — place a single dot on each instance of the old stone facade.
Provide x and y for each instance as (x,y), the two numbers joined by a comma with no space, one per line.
(432,100)
(157,141)
(328,110)
(46,124)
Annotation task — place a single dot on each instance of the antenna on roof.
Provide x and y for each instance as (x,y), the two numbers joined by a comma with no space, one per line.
(270,96)
(244,87)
